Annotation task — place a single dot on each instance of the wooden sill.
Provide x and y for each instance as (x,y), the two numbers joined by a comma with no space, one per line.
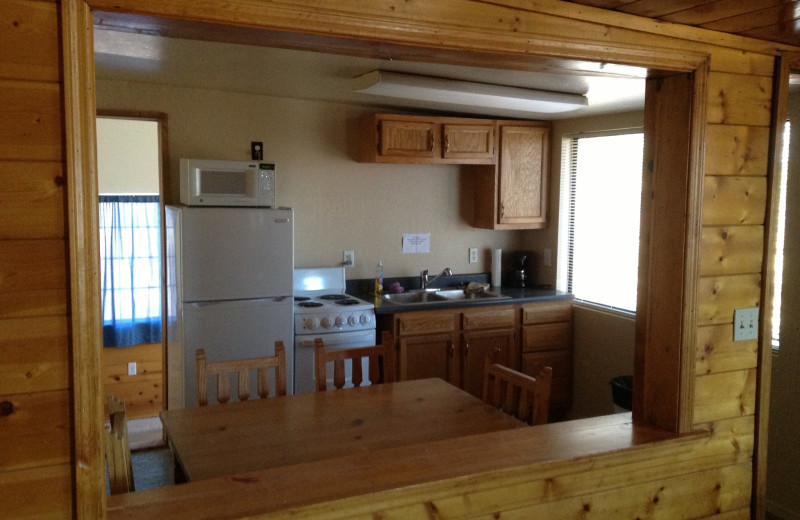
(420,470)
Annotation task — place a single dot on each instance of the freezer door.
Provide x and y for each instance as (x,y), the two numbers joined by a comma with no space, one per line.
(235,253)
(235,330)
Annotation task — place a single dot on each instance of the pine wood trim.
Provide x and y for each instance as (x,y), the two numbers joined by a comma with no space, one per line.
(471,25)
(672,201)
(467,30)
(779,113)
(81,165)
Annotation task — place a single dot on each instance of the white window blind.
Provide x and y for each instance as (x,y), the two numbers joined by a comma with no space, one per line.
(601,188)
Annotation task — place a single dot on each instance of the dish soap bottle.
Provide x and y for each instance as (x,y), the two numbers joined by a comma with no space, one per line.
(379,278)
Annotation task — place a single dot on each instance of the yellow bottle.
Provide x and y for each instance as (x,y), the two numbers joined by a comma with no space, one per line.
(379,278)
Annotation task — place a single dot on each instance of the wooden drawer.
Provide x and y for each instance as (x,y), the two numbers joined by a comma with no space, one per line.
(559,360)
(425,323)
(549,336)
(547,312)
(488,318)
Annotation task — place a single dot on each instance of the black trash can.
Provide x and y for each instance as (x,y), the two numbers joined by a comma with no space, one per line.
(622,391)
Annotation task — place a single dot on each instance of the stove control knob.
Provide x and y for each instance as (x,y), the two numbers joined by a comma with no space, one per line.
(339,321)
(364,319)
(352,321)
(326,322)
(311,323)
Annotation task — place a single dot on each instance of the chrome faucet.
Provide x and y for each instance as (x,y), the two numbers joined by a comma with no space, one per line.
(425,281)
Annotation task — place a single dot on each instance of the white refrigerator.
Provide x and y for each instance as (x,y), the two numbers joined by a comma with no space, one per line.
(229,290)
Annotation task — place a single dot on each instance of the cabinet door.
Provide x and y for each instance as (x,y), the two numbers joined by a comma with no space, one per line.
(547,336)
(523,175)
(561,385)
(468,141)
(497,345)
(429,355)
(408,139)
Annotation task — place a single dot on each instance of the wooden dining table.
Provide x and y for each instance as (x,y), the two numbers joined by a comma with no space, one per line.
(233,438)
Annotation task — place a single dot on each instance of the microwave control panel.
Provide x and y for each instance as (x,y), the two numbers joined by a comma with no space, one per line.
(266,184)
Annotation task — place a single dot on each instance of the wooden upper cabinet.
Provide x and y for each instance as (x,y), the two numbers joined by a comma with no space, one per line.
(408,139)
(514,194)
(473,141)
(395,138)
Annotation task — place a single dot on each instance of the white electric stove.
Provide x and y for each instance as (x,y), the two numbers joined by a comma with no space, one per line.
(322,309)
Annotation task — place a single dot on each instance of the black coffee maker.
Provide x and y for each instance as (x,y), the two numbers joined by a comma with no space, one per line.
(520,262)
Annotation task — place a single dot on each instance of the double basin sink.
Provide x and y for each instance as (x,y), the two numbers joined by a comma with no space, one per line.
(441,296)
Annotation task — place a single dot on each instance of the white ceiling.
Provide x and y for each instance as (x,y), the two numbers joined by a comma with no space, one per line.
(326,77)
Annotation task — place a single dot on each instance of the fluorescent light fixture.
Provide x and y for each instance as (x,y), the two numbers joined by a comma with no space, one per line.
(455,92)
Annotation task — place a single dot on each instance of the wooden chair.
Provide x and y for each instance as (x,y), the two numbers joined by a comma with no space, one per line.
(381,363)
(118,451)
(518,394)
(242,368)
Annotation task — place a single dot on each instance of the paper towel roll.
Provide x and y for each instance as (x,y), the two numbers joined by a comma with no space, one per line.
(496,267)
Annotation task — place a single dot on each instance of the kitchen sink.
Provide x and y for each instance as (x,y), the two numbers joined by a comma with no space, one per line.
(415,297)
(460,295)
(440,296)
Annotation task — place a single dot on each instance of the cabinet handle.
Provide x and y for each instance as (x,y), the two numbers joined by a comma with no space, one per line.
(380,140)
(452,348)
(431,141)
(502,211)
(466,348)
(447,143)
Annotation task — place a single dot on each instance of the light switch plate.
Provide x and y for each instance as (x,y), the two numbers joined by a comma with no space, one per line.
(349,259)
(473,255)
(132,368)
(745,324)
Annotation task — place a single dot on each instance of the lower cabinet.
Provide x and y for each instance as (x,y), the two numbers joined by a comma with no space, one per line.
(427,355)
(547,341)
(454,344)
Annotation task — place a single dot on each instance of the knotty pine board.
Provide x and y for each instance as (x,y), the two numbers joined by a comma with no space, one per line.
(34,353)
(34,189)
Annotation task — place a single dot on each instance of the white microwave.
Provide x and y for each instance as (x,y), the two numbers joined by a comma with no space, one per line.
(227,183)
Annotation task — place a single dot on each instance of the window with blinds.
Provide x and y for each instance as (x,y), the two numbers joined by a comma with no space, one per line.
(601,184)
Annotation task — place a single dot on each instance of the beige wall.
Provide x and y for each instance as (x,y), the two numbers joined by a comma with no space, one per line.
(127,156)
(783,477)
(339,204)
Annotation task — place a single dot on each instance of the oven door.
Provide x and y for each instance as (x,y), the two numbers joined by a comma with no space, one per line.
(304,381)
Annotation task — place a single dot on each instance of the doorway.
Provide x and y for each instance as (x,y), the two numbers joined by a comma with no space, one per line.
(130,148)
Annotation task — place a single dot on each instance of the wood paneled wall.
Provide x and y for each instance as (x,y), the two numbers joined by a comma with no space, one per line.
(35,461)
(143,394)
(704,478)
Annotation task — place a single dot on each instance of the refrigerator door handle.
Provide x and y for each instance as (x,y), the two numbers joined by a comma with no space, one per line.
(220,303)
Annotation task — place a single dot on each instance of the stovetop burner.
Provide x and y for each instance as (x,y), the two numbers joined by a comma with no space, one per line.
(347,301)
(334,297)
(301,298)
(309,304)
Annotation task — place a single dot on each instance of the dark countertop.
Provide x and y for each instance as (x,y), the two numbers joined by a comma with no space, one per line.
(512,295)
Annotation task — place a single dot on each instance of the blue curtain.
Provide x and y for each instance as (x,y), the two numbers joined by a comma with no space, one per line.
(130,269)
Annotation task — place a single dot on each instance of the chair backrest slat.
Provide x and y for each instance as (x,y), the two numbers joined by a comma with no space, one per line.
(241,368)
(118,451)
(381,363)
(525,397)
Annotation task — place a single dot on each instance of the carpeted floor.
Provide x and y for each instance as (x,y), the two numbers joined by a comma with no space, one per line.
(152,468)
(151,459)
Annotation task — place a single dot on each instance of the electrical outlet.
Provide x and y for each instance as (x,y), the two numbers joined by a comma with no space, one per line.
(349,259)
(547,258)
(473,255)
(745,324)
(132,368)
